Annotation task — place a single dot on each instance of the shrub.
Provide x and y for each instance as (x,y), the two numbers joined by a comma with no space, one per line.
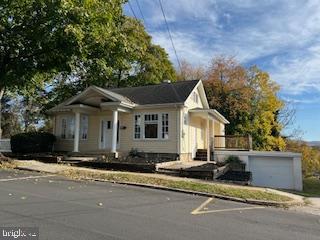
(32,142)
(233,160)
(235,163)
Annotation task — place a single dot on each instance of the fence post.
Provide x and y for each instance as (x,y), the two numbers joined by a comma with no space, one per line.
(250,141)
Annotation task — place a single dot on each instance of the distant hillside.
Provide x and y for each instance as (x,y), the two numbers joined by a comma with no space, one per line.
(314,143)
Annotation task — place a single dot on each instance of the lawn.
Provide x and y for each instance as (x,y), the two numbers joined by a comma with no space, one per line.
(220,189)
(311,187)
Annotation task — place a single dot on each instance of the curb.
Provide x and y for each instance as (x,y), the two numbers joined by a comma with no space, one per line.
(204,194)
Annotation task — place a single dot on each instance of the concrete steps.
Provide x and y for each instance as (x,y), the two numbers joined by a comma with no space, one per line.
(201,155)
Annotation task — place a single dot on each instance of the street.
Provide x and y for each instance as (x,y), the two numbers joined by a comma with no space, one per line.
(67,209)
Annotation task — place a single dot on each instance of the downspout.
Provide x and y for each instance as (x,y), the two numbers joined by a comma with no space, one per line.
(178,132)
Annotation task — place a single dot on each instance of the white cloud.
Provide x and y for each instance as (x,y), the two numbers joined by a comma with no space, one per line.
(283,35)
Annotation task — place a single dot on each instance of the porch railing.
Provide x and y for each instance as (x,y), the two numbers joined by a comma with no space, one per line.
(233,142)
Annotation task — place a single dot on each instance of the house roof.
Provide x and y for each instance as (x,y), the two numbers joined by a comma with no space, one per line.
(164,93)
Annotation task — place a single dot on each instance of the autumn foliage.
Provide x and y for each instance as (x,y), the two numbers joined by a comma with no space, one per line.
(247,97)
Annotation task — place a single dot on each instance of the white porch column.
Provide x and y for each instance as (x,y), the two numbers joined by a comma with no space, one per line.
(114,131)
(208,140)
(76,132)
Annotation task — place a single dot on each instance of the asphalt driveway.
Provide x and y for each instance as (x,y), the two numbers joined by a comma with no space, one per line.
(67,209)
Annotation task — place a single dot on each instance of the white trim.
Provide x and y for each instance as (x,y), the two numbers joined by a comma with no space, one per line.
(142,126)
(68,118)
(202,96)
(82,125)
(100,144)
(115,116)
(178,131)
(76,132)
(160,105)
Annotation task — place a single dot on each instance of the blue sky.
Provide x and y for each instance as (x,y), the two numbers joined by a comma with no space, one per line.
(282,37)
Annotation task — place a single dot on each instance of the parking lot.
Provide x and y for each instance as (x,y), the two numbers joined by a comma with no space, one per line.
(67,209)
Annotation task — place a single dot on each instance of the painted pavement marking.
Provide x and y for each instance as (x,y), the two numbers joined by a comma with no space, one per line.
(200,210)
(24,178)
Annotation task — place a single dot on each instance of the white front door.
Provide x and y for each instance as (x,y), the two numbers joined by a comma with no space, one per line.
(105,141)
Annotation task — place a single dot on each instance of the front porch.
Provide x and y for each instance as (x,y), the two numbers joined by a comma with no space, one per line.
(225,143)
(208,135)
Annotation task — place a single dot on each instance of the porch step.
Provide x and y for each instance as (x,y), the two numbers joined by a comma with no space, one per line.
(201,155)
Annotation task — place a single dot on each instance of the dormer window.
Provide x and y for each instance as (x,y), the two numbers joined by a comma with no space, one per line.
(195,97)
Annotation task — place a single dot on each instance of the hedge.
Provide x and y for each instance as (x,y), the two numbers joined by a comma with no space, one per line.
(32,142)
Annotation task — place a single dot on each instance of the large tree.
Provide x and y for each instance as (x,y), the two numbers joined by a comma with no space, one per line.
(42,36)
(248,98)
(131,60)
(187,71)
(72,44)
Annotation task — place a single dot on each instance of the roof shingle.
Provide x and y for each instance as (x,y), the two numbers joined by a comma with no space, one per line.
(164,93)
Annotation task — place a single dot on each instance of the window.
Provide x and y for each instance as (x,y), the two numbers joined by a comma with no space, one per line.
(137,126)
(151,126)
(165,125)
(71,128)
(63,128)
(84,127)
(67,127)
(108,124)
(195,97)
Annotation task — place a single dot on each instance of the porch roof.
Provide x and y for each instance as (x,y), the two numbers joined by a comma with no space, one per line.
(209,113)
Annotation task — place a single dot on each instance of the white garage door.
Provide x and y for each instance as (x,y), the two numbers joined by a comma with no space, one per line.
(272,172)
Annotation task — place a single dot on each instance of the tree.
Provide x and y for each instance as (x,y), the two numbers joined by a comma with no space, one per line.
(10,113)
(40,36)
(188,72)
(248,98)
(131,61)
(310,156)
(266,105)
(229,92)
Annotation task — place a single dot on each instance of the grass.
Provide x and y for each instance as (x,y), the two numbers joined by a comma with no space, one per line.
(311,188)
(243,193)
(7,164)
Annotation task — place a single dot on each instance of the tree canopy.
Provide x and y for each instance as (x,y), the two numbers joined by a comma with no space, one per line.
(248,99)
(67,45)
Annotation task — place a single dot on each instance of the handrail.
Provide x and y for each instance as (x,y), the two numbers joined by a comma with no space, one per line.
(233,142)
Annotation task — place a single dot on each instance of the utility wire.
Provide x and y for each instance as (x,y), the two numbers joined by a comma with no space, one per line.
(134,14)
(138,4)
(174,49)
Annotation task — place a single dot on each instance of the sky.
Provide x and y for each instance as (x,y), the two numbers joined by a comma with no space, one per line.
(281,37)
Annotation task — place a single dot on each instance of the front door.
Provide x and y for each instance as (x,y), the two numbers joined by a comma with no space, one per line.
(106,134)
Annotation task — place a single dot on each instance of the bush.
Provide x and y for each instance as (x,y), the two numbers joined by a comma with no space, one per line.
(32,142)
(235,163)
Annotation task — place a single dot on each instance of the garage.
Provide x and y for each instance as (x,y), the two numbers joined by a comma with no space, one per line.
(272,172)
(269,169)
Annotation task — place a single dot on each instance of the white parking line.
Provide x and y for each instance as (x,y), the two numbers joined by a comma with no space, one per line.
(199,210)
(23,178)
